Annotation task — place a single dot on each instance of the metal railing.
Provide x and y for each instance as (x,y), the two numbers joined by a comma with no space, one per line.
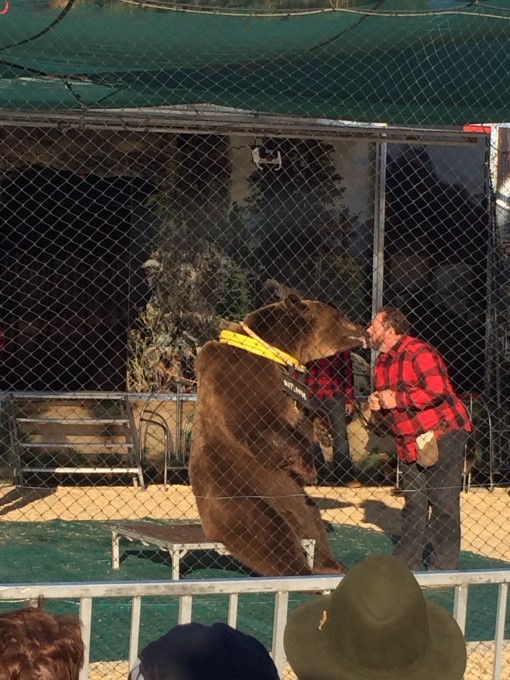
(281,587)
(153,418)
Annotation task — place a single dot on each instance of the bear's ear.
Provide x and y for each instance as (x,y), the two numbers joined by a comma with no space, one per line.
(294,301)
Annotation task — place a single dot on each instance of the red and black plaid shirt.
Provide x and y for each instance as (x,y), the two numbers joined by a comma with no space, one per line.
(425,398)
(331,378)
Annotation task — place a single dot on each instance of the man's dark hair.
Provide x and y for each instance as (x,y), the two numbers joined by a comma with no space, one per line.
(395,319)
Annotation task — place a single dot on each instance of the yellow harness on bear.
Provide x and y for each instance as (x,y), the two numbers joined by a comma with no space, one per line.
(255,345)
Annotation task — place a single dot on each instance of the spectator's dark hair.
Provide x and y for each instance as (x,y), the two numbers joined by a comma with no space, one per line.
(194,651)
(35,645)
(395,319)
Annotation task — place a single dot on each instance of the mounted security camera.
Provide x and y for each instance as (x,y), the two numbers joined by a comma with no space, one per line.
(266,154)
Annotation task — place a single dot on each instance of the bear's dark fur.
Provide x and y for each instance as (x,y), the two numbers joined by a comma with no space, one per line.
(250,452)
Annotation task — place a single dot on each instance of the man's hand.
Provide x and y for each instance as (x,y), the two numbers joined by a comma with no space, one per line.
(387,399)
(349,409)
(373,402)
(383,399)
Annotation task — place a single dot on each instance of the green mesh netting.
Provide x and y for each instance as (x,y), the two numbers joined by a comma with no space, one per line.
(423,62)
(81,552)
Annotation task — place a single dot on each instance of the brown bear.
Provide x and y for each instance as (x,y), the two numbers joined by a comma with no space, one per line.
(250,450)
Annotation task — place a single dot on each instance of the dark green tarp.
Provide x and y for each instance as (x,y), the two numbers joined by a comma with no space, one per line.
(435,62)
(81,552)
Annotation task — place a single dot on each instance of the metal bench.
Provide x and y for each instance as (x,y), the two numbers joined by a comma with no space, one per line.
(178,540)
(94,424)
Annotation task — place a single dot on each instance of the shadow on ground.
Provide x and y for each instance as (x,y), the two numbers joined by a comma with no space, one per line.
(19,498)
(330,503)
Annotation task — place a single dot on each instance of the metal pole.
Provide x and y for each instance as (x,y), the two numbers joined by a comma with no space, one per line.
(498,312)
(492,194)
(379,223)
(491,389)
(381,150)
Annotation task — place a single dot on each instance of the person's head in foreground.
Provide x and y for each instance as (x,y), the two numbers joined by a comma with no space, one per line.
(375,625)
(193,651)
(35,645)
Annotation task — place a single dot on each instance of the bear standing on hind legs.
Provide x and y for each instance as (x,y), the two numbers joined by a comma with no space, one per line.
(250,450)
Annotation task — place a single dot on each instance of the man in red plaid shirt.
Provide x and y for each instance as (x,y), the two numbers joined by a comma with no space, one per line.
(330,383)
(412,389)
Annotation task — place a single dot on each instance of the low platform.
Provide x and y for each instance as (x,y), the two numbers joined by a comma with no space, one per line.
(178,540)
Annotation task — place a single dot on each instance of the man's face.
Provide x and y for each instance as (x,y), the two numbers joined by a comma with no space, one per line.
(380,336)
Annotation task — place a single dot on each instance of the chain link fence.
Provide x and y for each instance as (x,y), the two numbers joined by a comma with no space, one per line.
(133,237)
(111,284)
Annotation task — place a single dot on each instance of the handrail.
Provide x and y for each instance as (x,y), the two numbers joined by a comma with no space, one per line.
(472,399)
(279,586)
(132,396)
(169,444)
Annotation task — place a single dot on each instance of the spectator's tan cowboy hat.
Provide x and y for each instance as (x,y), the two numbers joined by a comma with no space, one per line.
(376,625)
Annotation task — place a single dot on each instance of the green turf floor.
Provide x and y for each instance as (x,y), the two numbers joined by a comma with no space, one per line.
(81,552)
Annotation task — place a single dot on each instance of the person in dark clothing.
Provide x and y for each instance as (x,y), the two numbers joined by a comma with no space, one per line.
(330,383)
(431,427)
(194,651)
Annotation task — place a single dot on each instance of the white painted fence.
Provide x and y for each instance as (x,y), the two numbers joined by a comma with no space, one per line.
(281,587)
